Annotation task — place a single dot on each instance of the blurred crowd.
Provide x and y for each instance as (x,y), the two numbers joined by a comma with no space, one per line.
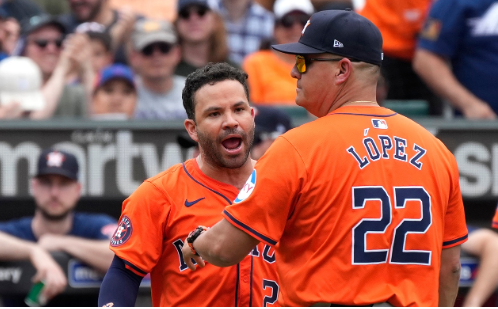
(109,59)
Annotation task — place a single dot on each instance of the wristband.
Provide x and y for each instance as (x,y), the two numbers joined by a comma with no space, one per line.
(192,236)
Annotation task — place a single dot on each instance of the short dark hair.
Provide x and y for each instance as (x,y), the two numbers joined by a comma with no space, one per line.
(210,74)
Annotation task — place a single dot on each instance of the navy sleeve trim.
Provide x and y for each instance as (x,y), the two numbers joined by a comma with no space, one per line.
(266,239)
(135,268)
(447,243)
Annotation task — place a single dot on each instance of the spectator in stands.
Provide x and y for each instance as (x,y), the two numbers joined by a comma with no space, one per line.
(482,243)
(100,53)
(115,95)
(457,55)
(154,56)
(201,35)
(20,88)
(43,41)
(400,23)
(270,124)
(268,70)
(247,23)
(11,32)
(100,42)
(56,226)
(118,23)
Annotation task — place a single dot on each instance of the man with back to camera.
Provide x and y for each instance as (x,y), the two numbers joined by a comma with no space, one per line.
(56,226)
(363,205)
(160,213)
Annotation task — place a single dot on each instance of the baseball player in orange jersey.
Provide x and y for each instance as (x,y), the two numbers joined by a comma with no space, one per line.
(363,205)
(158,216)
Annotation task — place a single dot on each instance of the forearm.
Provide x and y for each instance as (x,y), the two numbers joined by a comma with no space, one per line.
(120,286)
(13,248)
(95,253)
(437,74)
(51,92)
(224,245)
(449,276)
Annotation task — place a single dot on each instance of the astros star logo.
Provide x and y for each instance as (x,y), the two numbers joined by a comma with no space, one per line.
(55,159)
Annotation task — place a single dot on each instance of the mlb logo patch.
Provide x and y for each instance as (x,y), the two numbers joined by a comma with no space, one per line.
(379,123)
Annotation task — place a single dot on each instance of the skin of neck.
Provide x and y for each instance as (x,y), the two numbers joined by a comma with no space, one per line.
(196,53)
(236,9)
(236,177)
(158,85)
(41,225)
(354,92)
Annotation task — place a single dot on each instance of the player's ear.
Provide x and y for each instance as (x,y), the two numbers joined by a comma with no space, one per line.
(191,128)
(344,70)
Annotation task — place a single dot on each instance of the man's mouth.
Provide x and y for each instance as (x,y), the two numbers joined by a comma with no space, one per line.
(232,143)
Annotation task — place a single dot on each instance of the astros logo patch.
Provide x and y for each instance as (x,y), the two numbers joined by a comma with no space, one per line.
(247,189)
(123,232)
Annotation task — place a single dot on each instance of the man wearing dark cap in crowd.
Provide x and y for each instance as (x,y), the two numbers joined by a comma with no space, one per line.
(43,40)
(363,205)
(56,226)
(154,56)
(271,122)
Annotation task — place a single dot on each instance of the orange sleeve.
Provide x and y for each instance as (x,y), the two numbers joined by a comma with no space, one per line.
(139,237)
(250,66)
(270,192)
(495,219)
(455,229)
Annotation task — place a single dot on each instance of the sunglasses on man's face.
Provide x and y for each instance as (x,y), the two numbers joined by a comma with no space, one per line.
(302,62)
(200,11)
(164,48)
(43,43)
(288,21)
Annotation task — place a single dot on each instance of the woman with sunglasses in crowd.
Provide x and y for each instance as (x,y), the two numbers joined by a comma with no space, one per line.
(202,36)
(268,70)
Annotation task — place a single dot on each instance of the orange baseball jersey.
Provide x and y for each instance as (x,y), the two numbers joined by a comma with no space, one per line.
(399,22)
(359,205)
(495,219)
(154,223)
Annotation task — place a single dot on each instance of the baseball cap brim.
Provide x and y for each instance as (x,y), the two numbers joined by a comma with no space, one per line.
(296,49)
(146,39)
(56,171)
(29,101)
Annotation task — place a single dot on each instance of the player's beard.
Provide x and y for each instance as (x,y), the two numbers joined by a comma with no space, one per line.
(210,149)
(53,217)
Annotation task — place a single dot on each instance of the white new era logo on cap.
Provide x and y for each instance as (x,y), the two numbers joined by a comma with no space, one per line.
(338,44)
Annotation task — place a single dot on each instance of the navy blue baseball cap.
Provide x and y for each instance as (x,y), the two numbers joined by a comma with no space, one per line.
(343,33)
(57,162)
(270,122)
(184,3)
(115,71)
